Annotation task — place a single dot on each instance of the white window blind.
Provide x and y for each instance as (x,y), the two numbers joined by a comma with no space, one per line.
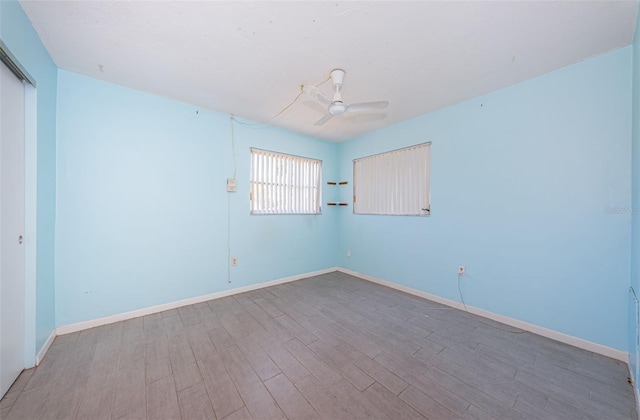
(284,184)
(393,183)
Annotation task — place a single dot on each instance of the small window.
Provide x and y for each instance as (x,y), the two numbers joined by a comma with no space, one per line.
(393,183)
(284,184)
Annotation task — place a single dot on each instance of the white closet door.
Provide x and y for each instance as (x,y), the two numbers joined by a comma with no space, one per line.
(11,228)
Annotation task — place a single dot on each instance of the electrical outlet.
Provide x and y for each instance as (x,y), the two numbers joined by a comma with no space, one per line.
(462,270)
(348,253)
(234,261)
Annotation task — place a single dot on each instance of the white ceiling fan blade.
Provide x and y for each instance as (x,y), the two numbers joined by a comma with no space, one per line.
(324,119)
(320,97)
(316,106)
(315,93)
(368,106)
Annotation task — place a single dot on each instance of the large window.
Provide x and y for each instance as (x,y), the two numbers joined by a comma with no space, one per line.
(284,184)
(393,183)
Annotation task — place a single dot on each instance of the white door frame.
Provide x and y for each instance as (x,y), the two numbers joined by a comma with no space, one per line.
(30,200)
(30,222)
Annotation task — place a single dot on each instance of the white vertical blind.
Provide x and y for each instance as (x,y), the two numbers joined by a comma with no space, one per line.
(284,184)
(393,183)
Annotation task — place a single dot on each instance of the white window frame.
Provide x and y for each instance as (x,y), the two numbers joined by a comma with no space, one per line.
(284,184)
(393,183)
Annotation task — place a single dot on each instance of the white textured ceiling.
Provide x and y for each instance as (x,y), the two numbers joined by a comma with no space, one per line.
(250,58)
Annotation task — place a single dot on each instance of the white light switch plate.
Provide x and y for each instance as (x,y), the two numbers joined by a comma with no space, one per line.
(231,185)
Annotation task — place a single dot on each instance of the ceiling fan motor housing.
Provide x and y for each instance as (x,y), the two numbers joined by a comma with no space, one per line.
(337,108)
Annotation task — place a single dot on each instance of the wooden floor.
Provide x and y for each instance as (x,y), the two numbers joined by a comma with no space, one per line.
(332,347)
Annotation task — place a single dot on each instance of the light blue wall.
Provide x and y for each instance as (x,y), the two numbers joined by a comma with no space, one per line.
(23,41)
(142,203)
(520,181)
(635,197)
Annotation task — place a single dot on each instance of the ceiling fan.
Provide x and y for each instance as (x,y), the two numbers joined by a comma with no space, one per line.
(336,106)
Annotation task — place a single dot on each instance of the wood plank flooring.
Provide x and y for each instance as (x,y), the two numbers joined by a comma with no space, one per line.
(332,347)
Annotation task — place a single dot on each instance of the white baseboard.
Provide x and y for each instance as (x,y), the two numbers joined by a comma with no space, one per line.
(79,326)
(536,329)
(45,347)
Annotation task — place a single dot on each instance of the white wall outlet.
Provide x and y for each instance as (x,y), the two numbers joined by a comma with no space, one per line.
(234,261)
(348,253)
(462,270)
(231,185)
